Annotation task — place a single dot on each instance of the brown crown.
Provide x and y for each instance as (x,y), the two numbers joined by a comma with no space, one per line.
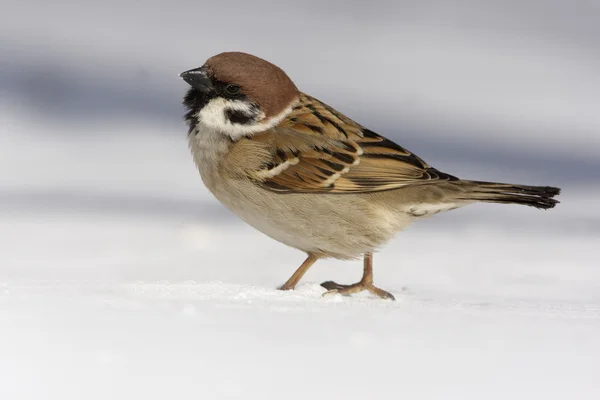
(261,81)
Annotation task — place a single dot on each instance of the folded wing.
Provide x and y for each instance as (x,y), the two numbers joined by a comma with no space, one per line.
(318,150)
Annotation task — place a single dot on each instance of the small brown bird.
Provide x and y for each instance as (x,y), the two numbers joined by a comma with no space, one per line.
(308,176)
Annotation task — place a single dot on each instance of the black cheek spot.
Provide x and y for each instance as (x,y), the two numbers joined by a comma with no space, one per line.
(239,117)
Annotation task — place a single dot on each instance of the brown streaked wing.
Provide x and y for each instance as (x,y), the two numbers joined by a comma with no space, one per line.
(318,150)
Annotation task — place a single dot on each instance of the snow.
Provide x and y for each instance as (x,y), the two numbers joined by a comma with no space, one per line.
(121,277)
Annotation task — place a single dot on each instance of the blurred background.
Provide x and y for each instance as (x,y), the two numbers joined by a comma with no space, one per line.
(116,264)
(91,124)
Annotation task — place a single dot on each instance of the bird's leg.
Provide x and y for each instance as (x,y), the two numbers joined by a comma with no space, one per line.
(296,276)
(366,283)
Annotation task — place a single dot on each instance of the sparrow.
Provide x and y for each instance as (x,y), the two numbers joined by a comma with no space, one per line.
(308,176)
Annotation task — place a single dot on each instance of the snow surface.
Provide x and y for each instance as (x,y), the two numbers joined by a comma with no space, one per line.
(122,278)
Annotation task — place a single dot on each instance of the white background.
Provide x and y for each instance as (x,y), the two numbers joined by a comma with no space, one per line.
(121,277)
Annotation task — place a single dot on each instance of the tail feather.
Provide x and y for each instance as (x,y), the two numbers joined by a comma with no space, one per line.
(541,197)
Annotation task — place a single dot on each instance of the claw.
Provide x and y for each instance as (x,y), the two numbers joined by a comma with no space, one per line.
(330,293)
(346,290)
(331,285)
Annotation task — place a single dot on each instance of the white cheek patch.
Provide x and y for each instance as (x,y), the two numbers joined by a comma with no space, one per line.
(214,115)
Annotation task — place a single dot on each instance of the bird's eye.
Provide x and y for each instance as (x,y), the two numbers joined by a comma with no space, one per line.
(232,89)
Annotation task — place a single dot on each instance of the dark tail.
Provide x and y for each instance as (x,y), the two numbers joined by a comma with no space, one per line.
(541,197)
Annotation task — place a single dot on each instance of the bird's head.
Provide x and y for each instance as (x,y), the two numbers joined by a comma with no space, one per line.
(238,95)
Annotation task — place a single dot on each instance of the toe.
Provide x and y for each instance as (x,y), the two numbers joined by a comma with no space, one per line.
(331,292)
(331,285)
(382,293)
(346,290)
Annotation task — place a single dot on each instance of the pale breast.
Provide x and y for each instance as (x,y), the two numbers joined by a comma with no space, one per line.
(208,149)
(340,226)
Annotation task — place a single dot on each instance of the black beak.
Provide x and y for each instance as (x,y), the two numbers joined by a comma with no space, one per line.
(198,79)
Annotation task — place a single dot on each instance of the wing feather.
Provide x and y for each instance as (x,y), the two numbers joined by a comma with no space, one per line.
(318,150)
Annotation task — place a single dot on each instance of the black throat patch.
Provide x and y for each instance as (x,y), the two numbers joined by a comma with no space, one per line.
(194,101)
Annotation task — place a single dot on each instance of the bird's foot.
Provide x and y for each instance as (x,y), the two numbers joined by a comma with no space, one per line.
(334,288)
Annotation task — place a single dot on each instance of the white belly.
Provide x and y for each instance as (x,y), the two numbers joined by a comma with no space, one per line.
(311,223)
